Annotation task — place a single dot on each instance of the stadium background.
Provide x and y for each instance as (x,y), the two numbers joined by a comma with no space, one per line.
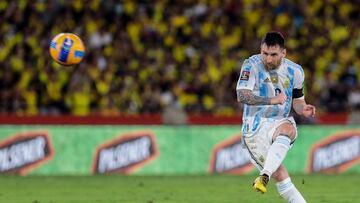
(162,74)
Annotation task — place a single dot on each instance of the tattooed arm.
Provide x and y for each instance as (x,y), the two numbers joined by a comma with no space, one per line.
(247,97)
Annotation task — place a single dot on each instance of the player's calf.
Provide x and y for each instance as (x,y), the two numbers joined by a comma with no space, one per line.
(276,154)
(282,139)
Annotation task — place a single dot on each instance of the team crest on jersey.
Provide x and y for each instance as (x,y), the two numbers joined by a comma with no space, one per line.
(245,75)
(286,83)
(274,77)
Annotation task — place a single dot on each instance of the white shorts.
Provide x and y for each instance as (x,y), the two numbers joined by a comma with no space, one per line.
(259,142)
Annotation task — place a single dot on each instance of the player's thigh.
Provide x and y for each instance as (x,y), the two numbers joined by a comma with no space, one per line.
(258,144)
(287,129)
(280,174)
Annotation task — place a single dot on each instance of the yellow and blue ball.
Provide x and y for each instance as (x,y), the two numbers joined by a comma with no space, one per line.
(67,49)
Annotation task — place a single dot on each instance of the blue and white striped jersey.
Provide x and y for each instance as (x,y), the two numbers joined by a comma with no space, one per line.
(265,83)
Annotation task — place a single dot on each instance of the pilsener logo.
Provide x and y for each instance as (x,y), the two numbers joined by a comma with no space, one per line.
(230,157)
(22,152)
(125,153)
(336,153)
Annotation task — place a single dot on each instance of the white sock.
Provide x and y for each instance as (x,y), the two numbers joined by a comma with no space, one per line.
(276,154)
(288,191)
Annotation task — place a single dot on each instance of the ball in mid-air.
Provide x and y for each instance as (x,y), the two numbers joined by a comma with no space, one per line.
(67,49)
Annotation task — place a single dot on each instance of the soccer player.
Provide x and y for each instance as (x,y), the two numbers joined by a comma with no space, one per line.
(269,84)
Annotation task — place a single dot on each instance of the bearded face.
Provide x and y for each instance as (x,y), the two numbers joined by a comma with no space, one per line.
(272,56)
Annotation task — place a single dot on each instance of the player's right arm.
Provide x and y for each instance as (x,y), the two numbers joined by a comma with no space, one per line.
(248,97)
(245,87)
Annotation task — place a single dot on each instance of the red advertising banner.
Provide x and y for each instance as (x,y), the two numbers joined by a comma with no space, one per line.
(336,153)
(230,157)
(125,153)
(23,152)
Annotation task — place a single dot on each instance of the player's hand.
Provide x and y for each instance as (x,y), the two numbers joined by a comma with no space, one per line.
(309,110)
(279,99)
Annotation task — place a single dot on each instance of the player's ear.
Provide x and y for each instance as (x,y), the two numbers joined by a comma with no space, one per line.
(283,52)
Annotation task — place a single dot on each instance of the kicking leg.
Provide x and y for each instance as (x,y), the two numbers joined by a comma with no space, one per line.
(282,138)
(285,187)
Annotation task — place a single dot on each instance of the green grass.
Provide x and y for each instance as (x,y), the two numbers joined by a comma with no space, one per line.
(170,189)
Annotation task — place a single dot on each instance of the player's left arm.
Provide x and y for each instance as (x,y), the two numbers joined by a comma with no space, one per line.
(302,108)
(299,104)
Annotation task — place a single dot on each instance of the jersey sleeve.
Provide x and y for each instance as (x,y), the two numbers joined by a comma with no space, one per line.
(247,77)
(298,91)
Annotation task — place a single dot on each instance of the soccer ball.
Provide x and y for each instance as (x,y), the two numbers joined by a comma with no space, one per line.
(67,49)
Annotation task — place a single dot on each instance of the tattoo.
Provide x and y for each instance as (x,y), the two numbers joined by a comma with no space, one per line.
(247,97)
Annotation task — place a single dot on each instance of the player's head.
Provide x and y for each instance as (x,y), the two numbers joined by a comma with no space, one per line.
(272,49)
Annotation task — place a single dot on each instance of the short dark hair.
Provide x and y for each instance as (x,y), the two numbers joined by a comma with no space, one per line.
(274,38)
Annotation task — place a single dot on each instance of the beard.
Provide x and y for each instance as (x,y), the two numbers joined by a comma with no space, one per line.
(271,66)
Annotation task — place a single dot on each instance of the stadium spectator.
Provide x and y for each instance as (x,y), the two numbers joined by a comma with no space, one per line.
(138,51)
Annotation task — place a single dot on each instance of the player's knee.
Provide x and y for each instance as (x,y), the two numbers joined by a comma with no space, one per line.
(287,130)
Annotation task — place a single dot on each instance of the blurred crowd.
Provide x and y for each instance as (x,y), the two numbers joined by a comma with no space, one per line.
(146,56)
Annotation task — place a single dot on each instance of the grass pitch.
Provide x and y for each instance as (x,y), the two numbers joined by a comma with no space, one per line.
(170,189)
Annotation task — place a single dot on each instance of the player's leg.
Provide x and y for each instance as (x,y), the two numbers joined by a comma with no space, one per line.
(285,187)
(282,138)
